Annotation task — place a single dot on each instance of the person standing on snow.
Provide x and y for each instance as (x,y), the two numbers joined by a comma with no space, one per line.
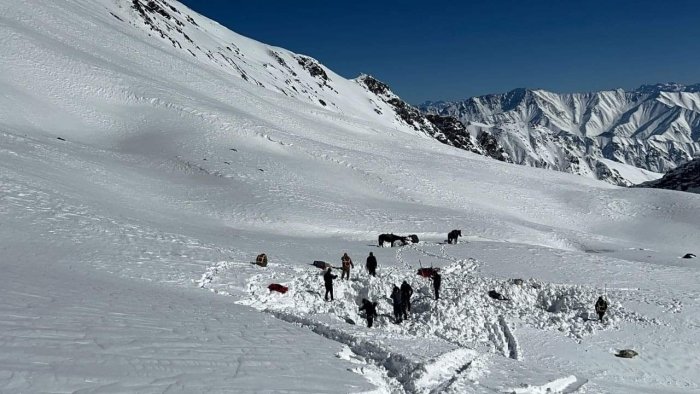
(396,301)
(601,306)
(347,263)
(437,281)
(328,280)
(372,264)
(406,293)
(370,309)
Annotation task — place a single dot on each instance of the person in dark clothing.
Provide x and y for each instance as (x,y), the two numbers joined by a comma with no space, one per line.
(346,264)
(370,309)
(328,280)
(396,301)
(372,264)
(406,293)
(601,306)
(437,281)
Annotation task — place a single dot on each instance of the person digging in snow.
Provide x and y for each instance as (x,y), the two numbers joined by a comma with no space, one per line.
(347,263)
(328,280)
(601,306)
(406,293)
(372,264)
(437,281)
(396,301)
(370,309)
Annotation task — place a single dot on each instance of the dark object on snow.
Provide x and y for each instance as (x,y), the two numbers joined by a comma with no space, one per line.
(518,282)
(689,256)
(396,302)
(349,321)
(371,264)
(391,238)
(437,282)
(278,288)
(370,309)
(261,260)
(427,272)
(234,149)
(328,281)
(600,307)
(346,263)
(626,353)
(498,296)
(261,170)
(452,236)
(406,293)
(60,138)
(685,177)
(321,264)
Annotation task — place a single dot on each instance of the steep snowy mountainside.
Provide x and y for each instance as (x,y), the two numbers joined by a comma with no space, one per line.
(685,177)
(655,128)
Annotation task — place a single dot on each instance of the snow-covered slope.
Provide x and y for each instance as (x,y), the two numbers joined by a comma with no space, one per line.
(137,182)
(655,128)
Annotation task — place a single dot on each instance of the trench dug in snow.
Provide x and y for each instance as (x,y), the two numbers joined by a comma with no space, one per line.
(464,340)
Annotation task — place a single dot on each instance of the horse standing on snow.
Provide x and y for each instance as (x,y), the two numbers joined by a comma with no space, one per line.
(452,236)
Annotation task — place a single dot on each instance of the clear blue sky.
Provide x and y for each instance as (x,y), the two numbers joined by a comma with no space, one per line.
(432,50)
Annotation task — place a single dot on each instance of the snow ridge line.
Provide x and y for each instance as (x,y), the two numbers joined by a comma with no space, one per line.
(511,341)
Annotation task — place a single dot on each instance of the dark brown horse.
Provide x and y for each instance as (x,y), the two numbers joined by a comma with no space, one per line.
(452,236)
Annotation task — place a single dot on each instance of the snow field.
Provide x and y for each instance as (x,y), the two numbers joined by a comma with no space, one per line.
(172,175)
(443,340)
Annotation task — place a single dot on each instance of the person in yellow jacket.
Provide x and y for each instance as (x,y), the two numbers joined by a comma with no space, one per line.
(347,264)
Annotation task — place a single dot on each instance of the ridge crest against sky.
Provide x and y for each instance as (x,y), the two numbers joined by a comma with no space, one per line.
(455,50)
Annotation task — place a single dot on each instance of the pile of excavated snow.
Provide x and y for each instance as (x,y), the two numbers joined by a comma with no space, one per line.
(442,341)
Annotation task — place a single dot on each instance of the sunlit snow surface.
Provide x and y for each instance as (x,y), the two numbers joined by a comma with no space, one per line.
(125,248)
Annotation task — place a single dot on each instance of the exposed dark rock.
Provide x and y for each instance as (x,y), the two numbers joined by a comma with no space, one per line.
(492,148)
(314,69)
(689,256)
(684,178)
(375,86)
(626,353)
(446,129)
(453,133)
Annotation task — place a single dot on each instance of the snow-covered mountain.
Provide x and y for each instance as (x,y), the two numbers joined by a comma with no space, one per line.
(295,75)
(685,177)
(141,172)
(654,128)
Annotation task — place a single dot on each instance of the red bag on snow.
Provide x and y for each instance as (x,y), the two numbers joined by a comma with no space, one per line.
(278,288)
(427,272)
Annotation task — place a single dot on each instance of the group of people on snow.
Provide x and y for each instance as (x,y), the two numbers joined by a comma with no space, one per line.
(401,296)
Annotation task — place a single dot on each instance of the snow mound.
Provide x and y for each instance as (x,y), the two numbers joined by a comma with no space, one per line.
(443,340)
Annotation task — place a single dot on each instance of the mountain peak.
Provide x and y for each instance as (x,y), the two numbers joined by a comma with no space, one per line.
(667,87)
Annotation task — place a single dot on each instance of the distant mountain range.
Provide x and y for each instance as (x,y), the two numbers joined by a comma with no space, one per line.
(655,128)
